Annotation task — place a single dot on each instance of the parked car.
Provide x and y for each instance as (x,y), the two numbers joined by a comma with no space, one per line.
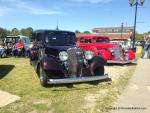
(113,53)
(11,40)
(140,43)
(123,42)
(57,60)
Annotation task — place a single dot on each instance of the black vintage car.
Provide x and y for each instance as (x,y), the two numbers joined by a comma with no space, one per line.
(57,60)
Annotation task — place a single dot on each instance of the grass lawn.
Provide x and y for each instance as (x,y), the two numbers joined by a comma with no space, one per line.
(19,78)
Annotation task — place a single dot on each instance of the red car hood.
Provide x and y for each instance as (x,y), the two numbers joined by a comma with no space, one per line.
(104,45)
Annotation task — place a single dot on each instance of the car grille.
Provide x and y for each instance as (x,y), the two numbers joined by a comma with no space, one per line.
(75,61)
(118,52)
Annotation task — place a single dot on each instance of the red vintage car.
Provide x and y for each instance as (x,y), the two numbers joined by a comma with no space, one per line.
(113,53)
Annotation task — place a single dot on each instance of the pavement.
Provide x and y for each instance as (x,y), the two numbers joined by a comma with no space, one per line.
(7,98)
(136,97)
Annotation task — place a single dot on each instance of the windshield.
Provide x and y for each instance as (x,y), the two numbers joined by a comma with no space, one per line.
(11,39)
(26,40)
(101,40)
(60,38)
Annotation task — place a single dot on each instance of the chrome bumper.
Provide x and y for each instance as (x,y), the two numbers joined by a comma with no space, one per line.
(121,61)
(77,79)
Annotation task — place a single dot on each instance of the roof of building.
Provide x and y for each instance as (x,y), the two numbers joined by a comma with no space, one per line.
(108,28)
(111,36)
(115,36)
(90,35)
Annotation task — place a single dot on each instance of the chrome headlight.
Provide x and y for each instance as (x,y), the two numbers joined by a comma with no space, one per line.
(63,56)
(127,57)
(89,55)
(126,50)
(31,45)
(111,50)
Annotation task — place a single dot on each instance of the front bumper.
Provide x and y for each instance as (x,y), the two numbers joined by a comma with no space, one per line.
(121,61)
(77,79)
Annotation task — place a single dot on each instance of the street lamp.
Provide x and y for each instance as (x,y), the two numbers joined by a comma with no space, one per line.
(135,3)
(121,30)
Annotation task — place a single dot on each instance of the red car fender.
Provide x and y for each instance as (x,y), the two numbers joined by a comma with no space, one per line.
(94,49)
(84,46)
(105,54)
(131,54)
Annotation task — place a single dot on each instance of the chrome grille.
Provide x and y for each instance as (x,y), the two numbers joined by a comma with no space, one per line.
(118,52)
(75,61)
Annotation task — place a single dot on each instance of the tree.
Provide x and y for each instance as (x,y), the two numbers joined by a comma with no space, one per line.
(77,31)
(139,36)
(86,32)
(27,31)
(15,31)
(4,32)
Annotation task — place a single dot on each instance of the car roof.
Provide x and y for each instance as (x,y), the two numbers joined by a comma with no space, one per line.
(49,30)
(18,36)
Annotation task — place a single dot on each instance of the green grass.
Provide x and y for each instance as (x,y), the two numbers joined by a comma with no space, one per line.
(19,78)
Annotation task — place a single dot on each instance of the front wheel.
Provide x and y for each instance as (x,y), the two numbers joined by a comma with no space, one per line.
(99,71)
(43,77)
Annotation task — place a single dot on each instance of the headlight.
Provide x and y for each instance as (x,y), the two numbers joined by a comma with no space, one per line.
(126,50)
(126,57)
(89,55)
(31,46)
(63,56)
(111,50)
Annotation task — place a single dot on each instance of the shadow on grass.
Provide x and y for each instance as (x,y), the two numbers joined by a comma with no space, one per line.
(71,86)
(5,69)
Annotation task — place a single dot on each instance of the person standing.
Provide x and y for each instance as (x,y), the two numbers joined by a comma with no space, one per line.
(146,46)
(2,49)
(144,50)
(18,48)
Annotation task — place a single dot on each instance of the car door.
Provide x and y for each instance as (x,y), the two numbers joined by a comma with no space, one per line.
(35,50)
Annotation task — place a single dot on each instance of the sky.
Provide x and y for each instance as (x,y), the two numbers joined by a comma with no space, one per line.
(82,15)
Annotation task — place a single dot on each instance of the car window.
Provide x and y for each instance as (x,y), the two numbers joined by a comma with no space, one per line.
(60,38)
(26,40)
(39,36)
(101,39)
(81,40)
(11,39)
(87,40)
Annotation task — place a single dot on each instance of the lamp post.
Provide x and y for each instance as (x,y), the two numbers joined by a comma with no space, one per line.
(121,30)
(135,3)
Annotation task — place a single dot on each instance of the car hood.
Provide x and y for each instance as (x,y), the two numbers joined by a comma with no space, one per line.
(105,45)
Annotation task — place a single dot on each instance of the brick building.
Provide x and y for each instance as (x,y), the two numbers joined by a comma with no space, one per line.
(113,33)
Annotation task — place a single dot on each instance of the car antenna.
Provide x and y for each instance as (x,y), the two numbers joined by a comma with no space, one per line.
(57,28)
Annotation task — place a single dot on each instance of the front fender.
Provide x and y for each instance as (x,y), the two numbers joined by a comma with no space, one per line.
(105,54)
(131,54)
(97,61)
(49,63)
